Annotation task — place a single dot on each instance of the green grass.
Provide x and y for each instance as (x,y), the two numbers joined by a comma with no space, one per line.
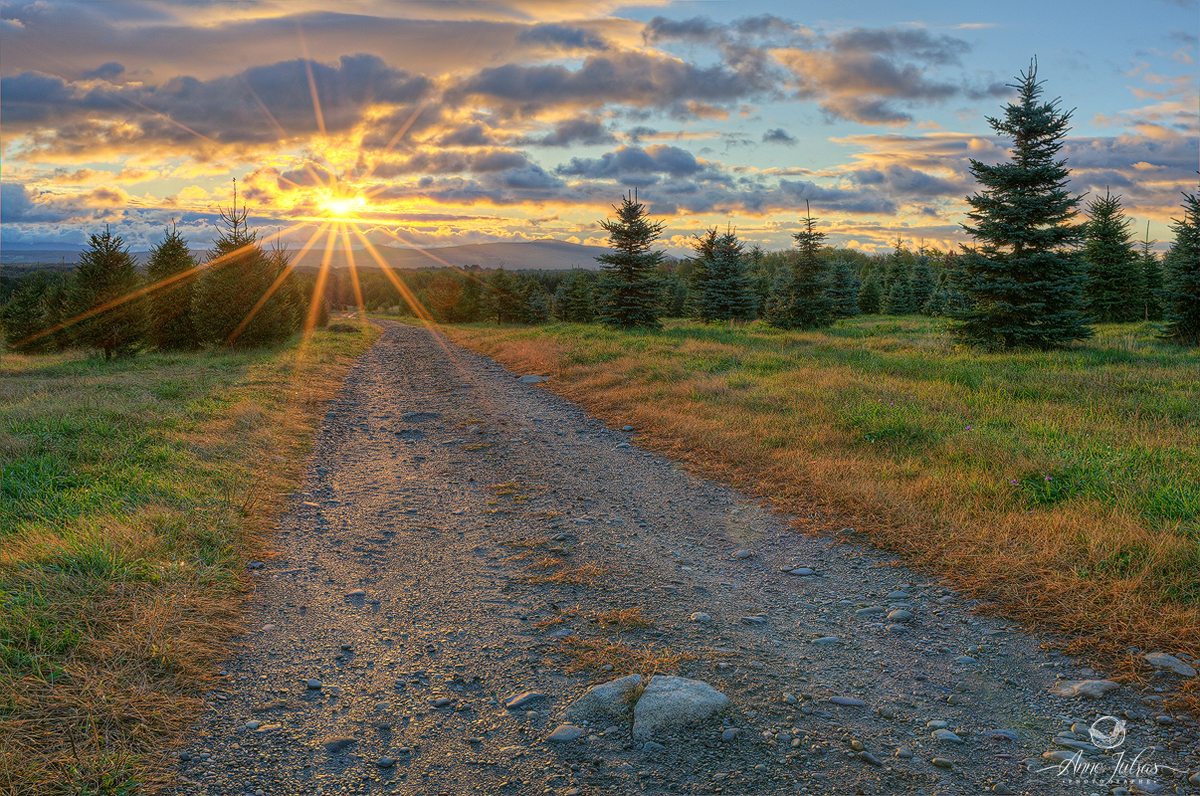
(1080,466)
(132,494)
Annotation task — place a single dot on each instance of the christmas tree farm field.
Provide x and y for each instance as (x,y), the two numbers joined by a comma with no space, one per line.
(135,493)
(1061,488)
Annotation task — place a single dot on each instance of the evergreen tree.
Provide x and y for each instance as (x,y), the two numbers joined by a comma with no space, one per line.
(800,299)
(1023,285)
(576,304)
(845,290)
(1181,294)
(629,284)
(470,304)
(172,274)
(705,246)
(243,298)
(870,297)
(104,303)
(33,315)
(899,294)
(725,293)
(922,284)
(535,303)
(504,296)
(1116,283)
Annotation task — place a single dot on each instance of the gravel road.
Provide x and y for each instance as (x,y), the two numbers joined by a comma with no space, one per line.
(404,608)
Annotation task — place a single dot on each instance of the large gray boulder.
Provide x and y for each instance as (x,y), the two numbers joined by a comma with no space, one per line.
(611,700)
(671,702)
(1161,660)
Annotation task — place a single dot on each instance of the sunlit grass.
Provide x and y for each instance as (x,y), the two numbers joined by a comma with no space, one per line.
(133,493)
(1063,486)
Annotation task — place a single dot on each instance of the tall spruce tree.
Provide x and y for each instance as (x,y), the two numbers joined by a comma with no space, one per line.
(870,296)
(1181,291)
(172,274)
(34,314)
(800,296)
(1023,285)
(104,302)
(1116,283)
(244,297)
(629,283)
(724,293)
(504,295)
(1152,279)
(922,284)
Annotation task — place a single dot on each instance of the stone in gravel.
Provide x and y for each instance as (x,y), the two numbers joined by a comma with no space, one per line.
(1003,790)
(867,757)
(523,699)
(937,724)
(669,702)
(651,746)
(531,379)
(701,617)
(804,571)
(1059,755)
(314,684)
(730,733)
(1161,660)
(1087,688)
(870,610)
(627,428)
(897,629)
(337,743)
(253,725)
(848,702)
(899,595)
(565,734)
(827,640)
(754,620)
(789,698)
(947,735)
(356,593)
(899,615)
(623,445)
(941,762)
(964,660)
(385,762)
(1079,746)
(613,700)
(743,554)
(904,754)
(441,702)
(1000,735)
(267,728)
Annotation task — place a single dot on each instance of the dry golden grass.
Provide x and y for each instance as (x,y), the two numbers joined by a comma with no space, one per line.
(112,621)
(1058,488)
(589,575)
(593,654)
(623,619)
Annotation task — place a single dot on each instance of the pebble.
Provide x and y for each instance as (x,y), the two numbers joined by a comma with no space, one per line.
(941,762)
(314,684)
(849,702)
(337,744)
(867,757)
(743,554)
(1001,735)
(937,724)
(826,640)
(801,571)
(900,615)
(964,659)
(754,620)
(1161,660)
(870,610)
(523,699)
(904,754)
(899,595)
(385,762)
(356,593)
(623,445)
(441,702)
(1088,688)
(947,735)
(1003,790)
(700,616)
(730,733)
(565,734)
(789,698)
(253,725)
(627,428)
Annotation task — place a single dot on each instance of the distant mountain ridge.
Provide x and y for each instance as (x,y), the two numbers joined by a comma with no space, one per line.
(541,255)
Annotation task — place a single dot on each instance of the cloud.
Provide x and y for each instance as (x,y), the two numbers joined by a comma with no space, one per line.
(779,136)
(562,37)
(582,130)
(109,72)
(629,162)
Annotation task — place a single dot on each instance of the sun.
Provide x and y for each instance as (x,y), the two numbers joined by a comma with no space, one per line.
(343,206)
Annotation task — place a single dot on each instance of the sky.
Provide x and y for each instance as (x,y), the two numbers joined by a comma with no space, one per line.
(446,123)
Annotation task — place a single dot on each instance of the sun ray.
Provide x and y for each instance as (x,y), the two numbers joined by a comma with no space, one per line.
(314,308)
(263,107)
(396,138)
(422,313)
(312,82)
(358,296)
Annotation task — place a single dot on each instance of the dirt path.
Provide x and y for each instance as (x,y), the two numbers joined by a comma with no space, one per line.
(441,490)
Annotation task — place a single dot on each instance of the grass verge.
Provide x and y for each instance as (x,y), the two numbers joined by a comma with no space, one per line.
(1062,488)
(134,494)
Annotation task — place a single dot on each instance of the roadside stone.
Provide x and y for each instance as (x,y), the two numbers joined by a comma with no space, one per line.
(565,734)
(941,762)
(627,428)
(1161,660)
(870,610)
(385,762)
(1000,735)
(700,617)
(827,641)
(669,702)
(802,571)
(611,700)
(904,753)
(1087,688)
(754,620)
(947,735)
(314,684)
(523,700)
(743,554)
(531,379)
(848,702)
(1003,790)
(899,615)
(356,593)
(867,757)
(730,734)
(337,743)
